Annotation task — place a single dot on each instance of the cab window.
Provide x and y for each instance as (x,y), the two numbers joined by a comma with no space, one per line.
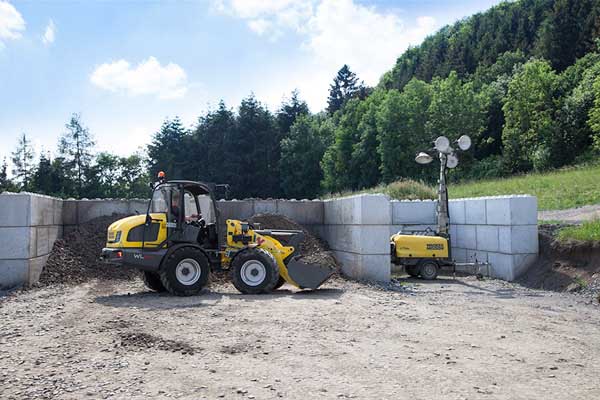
(191,208)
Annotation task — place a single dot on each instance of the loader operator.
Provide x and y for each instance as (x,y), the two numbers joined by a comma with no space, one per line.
(176,212)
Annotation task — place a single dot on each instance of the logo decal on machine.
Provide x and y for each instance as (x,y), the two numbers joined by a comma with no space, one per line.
(435,246)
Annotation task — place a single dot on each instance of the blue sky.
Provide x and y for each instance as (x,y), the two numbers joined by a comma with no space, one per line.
(127,65)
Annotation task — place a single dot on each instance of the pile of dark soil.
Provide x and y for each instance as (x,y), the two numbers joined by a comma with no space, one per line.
(572,266)
(312,249)
(76,258)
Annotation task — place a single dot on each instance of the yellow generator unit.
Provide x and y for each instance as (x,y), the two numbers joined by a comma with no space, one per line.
(421,254)
(177,244)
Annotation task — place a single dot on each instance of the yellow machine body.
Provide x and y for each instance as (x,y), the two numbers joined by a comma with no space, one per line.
(419,246)
(127,232)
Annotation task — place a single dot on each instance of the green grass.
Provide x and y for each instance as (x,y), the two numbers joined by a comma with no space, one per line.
(556,190)
(587,232)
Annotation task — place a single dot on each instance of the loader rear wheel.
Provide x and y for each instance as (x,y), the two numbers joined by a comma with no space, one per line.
(185,272)
(428,270)
(254,271)
(152,282)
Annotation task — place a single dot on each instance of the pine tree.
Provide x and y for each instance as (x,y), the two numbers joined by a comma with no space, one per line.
(5,183)
(75,147)
(344,87)
(169,150)
(22,159)
(290,110)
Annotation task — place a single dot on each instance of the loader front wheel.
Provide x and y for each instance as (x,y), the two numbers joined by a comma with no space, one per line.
(152,282)
(185,272)
(254,271)
(280,283)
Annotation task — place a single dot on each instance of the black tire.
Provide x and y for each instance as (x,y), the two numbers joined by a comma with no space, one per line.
(280,283)
(428,269)
(254,271)
(185,272)
(412,270)
(152,282)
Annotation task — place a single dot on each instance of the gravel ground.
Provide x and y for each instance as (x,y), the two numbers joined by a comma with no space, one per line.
(447,339)
(573,215)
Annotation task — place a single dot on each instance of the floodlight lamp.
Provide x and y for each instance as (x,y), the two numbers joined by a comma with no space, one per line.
(464,142)
(423,158)
(451,161)
(442,144)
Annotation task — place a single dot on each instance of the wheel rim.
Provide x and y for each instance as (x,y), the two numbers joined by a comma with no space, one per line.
(253,272)
(428,270)
(188,271)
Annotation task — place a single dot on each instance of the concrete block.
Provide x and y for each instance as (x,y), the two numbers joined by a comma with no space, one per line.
(477,255)
(414,212)
(236,209)
(137,206)
(69,212)
(14,209)
(498,211)
(523,210)
(360,239)
(36,265)
(365,267)
(466,237)
(304,212)
(452,233)
(42,210)
(456,209)
(459,255)
(42,234)
(265,207)
(487,238)
(522,262)
(13,273)
(57,212)
(519,239)
(475,212)
(342,211)
(16,242)
(501,266)
(90,209)
(375,210)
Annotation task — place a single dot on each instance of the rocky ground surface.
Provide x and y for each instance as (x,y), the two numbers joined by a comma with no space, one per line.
(447,339)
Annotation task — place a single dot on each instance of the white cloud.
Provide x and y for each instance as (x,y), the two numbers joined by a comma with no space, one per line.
(12,23)
(147,78)
(49,34)
(333,33)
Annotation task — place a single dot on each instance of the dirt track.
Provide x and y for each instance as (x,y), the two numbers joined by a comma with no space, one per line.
(573,215)
(462,339)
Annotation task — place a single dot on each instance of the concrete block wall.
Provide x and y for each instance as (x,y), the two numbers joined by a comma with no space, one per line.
(77,212)
(499,230)
(357,230)
(29,225)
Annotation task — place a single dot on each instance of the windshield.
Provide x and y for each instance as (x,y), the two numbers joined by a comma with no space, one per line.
(163,197)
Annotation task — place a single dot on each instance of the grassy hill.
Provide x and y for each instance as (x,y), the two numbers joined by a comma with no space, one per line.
(556,190)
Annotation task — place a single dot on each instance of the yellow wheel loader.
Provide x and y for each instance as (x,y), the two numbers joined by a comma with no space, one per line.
(423,253)
(178,244)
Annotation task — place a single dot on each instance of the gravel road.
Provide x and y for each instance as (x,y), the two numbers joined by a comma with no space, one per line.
(573,215)
(448,339)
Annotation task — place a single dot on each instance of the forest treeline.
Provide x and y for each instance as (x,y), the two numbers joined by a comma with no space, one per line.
(522,79)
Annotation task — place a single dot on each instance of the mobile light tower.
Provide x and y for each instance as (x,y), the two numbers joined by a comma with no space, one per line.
(424,253)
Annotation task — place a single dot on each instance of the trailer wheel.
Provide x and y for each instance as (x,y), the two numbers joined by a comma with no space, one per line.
(185,272)
(412,270)
(152,282)
(428,270)
(254,271)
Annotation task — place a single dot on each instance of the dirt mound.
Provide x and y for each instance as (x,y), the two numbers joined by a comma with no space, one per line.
(564,267)
(312,249)
(76,257)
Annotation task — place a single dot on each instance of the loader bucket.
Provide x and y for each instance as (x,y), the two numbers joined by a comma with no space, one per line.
(306,275)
